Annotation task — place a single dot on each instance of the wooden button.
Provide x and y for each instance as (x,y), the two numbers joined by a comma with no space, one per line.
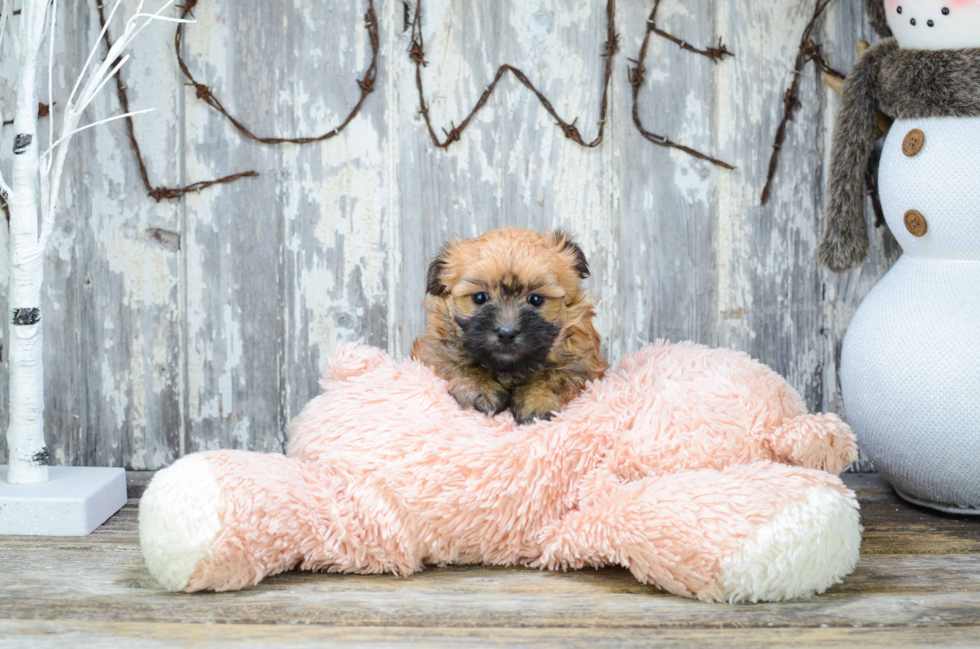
(913,142)
(916,223)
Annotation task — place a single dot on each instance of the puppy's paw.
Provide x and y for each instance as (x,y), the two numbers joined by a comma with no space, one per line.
(488,397)
(492,403)
(523,417)
(531,402)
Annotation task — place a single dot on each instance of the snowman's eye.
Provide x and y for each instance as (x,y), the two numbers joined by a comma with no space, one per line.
(899,10)
(945,11)
(931,24)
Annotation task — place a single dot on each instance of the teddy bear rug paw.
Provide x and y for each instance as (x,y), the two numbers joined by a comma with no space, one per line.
(807,547)
(179,520)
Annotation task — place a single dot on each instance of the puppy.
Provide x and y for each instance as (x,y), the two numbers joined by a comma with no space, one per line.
(509,325)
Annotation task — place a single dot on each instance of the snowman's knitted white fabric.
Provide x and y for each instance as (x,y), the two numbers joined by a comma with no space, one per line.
(942,181)
(911,381)
(910,368)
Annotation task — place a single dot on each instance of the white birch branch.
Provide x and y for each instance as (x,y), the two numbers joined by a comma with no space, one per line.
(25,433)
(35,184)
(5,12)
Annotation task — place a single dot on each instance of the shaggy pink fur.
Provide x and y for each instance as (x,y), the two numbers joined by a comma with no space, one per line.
(667,466)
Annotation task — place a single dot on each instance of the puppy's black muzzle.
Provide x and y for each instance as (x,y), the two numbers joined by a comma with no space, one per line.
(504,348)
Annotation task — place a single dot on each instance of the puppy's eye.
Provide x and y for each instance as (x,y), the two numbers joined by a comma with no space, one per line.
(535,300)
(481,298)
(945,11)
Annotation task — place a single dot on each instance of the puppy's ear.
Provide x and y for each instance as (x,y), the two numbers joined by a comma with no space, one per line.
(434,284)
(566,245)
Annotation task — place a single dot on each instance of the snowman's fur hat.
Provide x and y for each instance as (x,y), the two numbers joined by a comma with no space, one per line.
(903,84)
(876,14)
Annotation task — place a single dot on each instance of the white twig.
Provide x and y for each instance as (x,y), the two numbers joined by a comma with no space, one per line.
(95,80)
(3,19)
(91,54)
(51,35)
(13,36)
(88,126)
(108,77)
(4,14)
(166,19)
(43,170)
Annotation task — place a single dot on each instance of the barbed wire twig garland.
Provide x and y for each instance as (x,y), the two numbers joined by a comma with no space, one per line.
(636,78)
(716,54)
(157,193)
(366,83)
(809,51)
(417,55)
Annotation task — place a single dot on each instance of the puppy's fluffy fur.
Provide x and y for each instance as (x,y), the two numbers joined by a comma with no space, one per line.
(509,325)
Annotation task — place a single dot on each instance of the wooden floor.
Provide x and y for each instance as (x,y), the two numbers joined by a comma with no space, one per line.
(918,583)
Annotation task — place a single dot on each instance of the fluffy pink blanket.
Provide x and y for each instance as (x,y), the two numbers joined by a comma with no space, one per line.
(698,469)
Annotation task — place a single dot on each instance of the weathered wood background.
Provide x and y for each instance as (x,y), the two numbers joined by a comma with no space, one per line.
(202,323)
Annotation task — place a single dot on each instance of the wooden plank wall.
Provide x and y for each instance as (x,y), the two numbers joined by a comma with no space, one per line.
(204,323)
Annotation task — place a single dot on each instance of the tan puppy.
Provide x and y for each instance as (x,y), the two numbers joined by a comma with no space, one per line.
(509,325)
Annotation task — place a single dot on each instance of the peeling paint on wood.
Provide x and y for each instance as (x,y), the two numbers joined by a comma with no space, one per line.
(188,325)
(166,238)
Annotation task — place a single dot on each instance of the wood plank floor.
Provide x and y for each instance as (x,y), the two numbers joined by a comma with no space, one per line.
(918,584)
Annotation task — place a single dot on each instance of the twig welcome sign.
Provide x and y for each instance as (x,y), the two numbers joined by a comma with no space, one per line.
(416,54)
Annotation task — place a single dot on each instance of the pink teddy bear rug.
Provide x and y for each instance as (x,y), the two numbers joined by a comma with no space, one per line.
(697,469)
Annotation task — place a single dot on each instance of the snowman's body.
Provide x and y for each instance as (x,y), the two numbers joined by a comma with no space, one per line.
(910,368)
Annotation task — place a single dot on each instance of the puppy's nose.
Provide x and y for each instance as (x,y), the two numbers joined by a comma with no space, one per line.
(506,334)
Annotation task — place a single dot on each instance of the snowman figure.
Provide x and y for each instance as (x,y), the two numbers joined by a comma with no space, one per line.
(910,366)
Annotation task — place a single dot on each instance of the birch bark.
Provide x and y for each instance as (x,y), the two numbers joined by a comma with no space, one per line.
(28,461)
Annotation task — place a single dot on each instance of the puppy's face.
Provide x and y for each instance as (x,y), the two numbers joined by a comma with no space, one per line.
(510,292)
